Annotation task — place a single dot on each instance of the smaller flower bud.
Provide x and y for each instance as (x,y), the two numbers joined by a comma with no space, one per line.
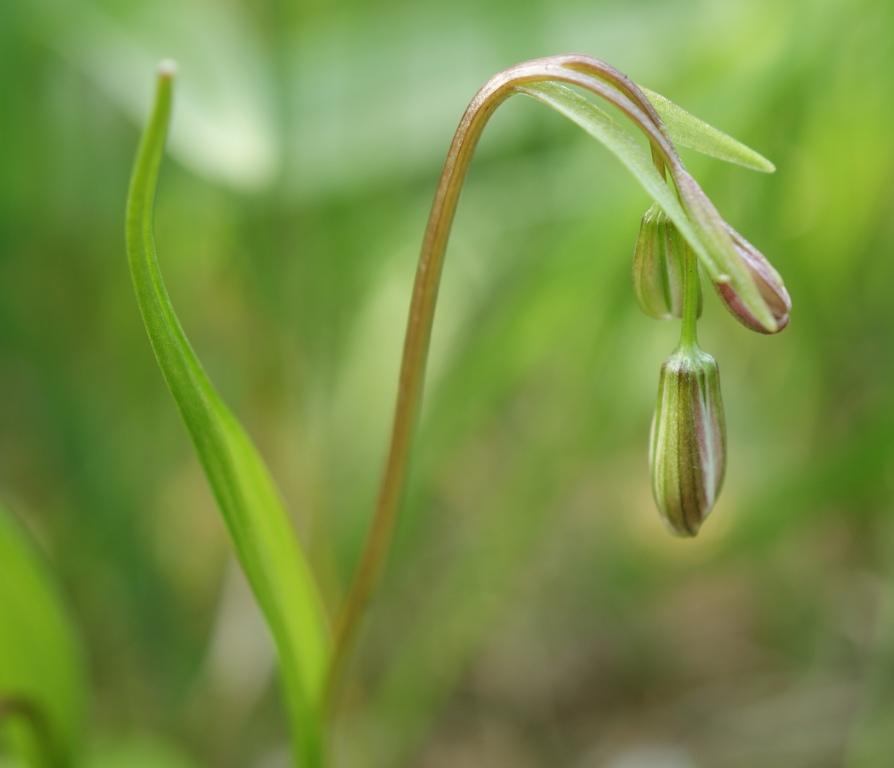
(658,266)
(687,445)
(768,282)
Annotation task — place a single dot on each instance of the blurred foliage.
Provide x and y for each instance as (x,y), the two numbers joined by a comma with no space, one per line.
(535,613)
(41,679)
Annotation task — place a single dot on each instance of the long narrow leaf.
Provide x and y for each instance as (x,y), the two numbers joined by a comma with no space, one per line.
(42,692)
(262,535)
(691,132)
(699,222)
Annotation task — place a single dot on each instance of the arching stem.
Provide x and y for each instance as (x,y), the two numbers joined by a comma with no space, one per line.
(26,710)
(582,71)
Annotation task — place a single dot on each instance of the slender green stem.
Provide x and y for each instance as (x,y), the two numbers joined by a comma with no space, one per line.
(581,71)
(691,299)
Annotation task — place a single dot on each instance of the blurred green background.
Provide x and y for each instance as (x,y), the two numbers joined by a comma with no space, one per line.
(535,612)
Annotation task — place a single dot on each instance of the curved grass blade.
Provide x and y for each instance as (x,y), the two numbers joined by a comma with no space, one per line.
(265,542)
(691,132)
(699,222)
(42,691)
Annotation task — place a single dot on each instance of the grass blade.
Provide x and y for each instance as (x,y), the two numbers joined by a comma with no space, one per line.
(42,692)
(260,530)
(691,132)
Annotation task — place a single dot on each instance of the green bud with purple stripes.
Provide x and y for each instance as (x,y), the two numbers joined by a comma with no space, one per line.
(687,446)
(659,259)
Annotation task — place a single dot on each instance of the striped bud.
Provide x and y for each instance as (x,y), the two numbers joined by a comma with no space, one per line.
(687,445)
(768,282)
(658,260)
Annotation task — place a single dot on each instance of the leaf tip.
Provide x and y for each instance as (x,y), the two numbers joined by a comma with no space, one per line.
(762,164)
(167,68)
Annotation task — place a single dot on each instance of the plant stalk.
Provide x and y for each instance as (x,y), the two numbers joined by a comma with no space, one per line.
(691,296)
(582,71)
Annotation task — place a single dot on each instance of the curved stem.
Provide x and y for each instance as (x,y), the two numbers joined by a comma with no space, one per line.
(587,64)
(29,712)
(16,706)
(581,71)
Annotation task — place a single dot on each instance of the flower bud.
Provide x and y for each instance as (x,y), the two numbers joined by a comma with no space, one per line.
(768,282)
(658,266)
(687,445)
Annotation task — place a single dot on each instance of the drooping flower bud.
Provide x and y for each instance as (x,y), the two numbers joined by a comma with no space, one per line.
(687,445)
(658,266)
(768,282)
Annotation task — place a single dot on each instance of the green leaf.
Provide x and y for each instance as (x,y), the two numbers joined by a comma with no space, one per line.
(264,539)
(699,221)
(42,692)
(693,133)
